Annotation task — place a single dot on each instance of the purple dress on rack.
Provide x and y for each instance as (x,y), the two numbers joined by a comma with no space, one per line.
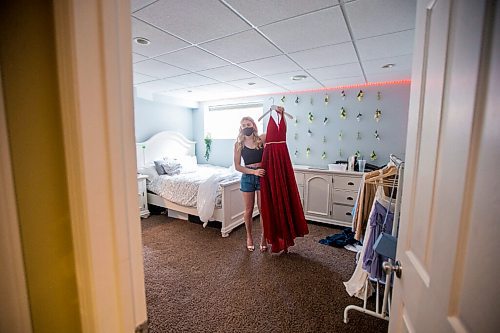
(372,261)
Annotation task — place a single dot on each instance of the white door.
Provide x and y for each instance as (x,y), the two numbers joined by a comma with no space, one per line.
(450,220)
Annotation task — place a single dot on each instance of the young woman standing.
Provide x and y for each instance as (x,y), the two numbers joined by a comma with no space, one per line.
(250,146)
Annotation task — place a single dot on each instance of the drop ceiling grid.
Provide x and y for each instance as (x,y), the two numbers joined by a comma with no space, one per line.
(370,18)
(321,28)
(272,11)
(196,21)
(240,38)
(241,47)
(192,59)
(161,42)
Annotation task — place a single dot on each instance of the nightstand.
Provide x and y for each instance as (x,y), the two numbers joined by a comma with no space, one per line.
(142,196)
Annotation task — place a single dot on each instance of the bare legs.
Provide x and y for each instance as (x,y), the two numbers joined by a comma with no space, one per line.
(249,202)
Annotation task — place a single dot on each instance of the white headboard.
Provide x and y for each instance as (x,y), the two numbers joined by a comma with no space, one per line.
(166,143)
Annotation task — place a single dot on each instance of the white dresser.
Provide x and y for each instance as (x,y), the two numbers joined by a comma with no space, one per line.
(328,196)
(142,196)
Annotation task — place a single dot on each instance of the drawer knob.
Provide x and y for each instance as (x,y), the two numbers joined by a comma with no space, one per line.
(348,214)
(350,198)
(350,183)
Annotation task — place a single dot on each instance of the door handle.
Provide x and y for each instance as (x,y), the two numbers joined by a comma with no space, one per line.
(389,268)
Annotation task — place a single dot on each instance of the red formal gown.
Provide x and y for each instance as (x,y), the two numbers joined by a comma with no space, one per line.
(281,210)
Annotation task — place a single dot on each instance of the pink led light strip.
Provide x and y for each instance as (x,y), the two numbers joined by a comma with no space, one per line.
(349,86)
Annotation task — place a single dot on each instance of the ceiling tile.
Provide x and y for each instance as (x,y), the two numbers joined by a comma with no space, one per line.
(138,4)
(137,57)
(226,73)
(159,85)
(214,88)
(157,69)
(326,56)
(286,78)
(274,89)
(308,31)
(192,80)
(402,63)
(259,83)
(195,21)
(140,78)
(377,17)
(264,11)
(393,76)
(268,66)
(345,81)
(192,59)
(193,94)
(244,46)
(334,72)
(311,85)
(391,45)
(161,42)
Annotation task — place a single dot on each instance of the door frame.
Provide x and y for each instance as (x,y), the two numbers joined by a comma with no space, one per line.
(94,61)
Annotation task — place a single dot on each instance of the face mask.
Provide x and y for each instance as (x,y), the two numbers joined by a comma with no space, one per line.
(247,131)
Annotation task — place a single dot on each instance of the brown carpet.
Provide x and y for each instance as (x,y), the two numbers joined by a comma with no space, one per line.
(197,281)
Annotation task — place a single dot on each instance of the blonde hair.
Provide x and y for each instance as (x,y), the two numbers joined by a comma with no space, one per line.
(240,140)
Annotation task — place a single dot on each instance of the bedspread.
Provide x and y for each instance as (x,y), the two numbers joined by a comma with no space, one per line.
(183,189)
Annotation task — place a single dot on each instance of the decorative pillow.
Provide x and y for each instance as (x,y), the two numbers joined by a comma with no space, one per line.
(159,167)
(171,167)
(189,163)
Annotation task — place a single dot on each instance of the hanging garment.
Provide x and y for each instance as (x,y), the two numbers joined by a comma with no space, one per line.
(357,283)
(281,209)
(372,261)
(366,196)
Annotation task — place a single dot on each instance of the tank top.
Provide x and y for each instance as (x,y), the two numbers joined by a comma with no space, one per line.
(251,156)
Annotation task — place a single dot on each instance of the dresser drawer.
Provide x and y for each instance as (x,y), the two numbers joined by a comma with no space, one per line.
(346,183)
(342,213)
(344,197)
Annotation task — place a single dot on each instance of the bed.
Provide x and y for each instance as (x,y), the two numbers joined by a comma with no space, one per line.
(226,203)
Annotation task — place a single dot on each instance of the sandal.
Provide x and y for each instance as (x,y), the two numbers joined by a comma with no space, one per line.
(250,248)
(263,248)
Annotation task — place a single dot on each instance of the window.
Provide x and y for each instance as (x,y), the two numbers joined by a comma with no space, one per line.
(223,121)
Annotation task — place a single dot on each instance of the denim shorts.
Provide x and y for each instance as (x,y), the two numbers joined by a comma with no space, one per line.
(249,183)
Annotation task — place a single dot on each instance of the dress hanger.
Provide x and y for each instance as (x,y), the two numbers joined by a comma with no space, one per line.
(273,107)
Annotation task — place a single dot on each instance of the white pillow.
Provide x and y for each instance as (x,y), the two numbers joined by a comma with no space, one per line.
(189,163)
(149,170)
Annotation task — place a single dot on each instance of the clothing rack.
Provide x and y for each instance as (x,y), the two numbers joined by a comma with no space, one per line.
(384,311)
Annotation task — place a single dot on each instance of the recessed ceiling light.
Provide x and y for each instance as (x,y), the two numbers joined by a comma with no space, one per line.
(298,77)
(142,40)
(251,83)
(388,65)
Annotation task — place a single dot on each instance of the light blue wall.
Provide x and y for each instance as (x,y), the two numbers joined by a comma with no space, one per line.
(152,117)
(391,127)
